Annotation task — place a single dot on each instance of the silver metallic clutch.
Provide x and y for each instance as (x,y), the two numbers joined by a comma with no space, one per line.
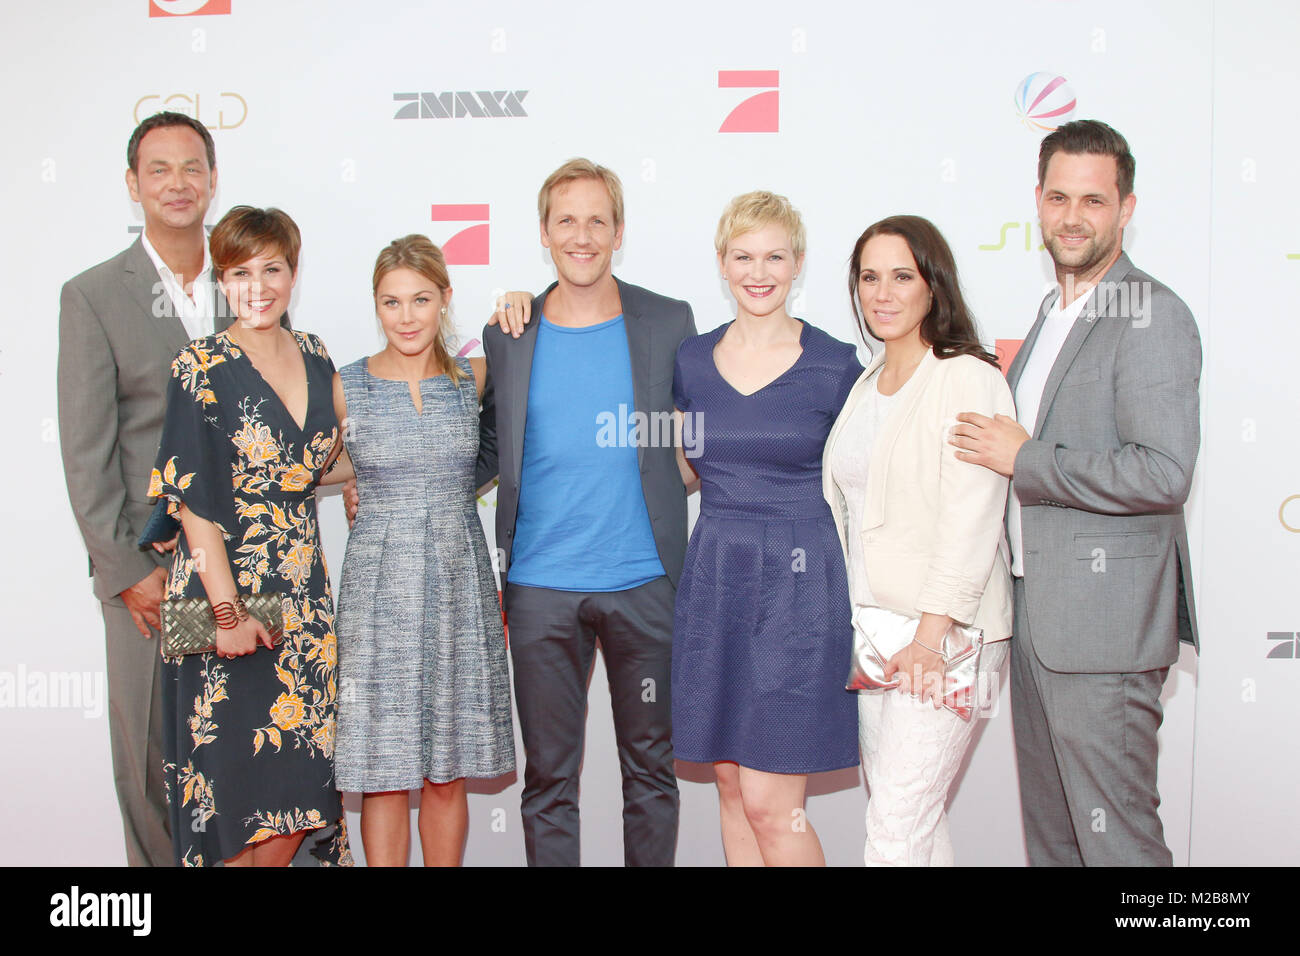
(879,634)
(189,628)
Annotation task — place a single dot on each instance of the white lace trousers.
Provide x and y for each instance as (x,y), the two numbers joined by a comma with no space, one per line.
(910,753)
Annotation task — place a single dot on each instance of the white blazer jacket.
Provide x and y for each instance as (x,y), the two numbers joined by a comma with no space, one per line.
(932,532)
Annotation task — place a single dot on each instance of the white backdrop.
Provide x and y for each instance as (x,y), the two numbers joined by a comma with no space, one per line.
(857,113)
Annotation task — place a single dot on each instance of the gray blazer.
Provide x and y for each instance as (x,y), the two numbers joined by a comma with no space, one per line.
(118,335)
(655,325)
(1108,585)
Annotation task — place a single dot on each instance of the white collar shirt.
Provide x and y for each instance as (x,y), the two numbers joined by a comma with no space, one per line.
(1029,396)
(197,311)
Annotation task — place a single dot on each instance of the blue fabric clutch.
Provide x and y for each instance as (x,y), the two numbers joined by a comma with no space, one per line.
(160,527)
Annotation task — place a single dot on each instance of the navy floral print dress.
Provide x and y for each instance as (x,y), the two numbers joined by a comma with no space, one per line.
(249,742)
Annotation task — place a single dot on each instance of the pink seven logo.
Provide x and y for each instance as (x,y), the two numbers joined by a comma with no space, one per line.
(759,113)
(188,8)
(1006,350)
(469,247)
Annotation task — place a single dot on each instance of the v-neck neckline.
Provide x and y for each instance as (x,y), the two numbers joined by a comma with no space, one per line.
(302,429)
(803,350)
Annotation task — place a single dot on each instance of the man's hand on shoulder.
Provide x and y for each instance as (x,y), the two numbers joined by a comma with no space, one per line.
(991,442)
(514,310)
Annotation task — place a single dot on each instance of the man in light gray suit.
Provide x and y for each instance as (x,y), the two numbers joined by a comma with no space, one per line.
(1101,463)
(121,324)
(591,518)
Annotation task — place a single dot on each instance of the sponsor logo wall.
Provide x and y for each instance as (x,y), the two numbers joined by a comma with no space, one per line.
(366,124)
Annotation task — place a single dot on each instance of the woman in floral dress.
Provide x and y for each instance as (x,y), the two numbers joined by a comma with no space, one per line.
(250,429)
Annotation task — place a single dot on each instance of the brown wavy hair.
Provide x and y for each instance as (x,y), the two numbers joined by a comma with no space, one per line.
(948,329)
(419,254)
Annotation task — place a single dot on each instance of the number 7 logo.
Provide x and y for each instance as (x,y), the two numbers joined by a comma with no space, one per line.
(759,113)
(469,247)
(1287,649)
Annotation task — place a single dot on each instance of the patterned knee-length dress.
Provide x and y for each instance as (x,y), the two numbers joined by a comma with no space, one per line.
(424,683)
(249,742)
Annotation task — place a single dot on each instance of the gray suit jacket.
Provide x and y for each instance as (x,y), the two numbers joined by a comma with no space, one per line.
(117,339)
(1108,585)
(655,326)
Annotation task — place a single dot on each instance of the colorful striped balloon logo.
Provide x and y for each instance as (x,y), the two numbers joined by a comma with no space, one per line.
(1044,101)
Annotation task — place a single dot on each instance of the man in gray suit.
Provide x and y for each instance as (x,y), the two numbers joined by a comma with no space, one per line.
(1101,462)
(120,325)
(591,518)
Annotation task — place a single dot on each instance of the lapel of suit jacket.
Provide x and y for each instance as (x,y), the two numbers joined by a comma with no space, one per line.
(141,278)
(1027,346)
(882,449)
(518,371)
(640,331)
(1101,295)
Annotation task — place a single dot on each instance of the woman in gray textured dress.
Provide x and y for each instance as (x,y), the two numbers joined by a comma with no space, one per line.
(424,693)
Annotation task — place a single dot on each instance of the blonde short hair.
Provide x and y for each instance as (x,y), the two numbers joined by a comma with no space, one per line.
(581,169)
(420,255)
(756,210)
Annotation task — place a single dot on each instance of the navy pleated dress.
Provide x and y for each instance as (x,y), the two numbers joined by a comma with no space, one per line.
(762,632)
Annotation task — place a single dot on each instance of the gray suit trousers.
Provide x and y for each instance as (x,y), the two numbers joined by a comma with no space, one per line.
(553,638)
(1086,749)
(135,732)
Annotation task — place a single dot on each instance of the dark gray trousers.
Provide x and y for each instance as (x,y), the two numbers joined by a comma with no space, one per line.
(553,637)
(1086,750)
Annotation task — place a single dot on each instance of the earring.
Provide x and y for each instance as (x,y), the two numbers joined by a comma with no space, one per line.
(444,311)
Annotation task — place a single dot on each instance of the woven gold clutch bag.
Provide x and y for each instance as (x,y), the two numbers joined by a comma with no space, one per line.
(189,628)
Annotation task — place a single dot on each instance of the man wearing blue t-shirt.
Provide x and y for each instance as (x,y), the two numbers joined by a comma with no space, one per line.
(591,518)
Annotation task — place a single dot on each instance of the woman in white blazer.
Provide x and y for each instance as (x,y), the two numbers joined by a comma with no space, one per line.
(922,532)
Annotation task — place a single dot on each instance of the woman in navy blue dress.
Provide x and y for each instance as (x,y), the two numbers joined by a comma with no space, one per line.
(763,630)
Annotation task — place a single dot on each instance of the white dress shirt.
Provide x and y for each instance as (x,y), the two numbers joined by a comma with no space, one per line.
(197,313)
(1029,395)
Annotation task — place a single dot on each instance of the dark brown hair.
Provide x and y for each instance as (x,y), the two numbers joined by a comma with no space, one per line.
(948,328)
(245,231)
(1090,136)
(161,121)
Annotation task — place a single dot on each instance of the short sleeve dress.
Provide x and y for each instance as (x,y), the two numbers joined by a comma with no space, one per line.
(249,742)
(424,683)
(763,629)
